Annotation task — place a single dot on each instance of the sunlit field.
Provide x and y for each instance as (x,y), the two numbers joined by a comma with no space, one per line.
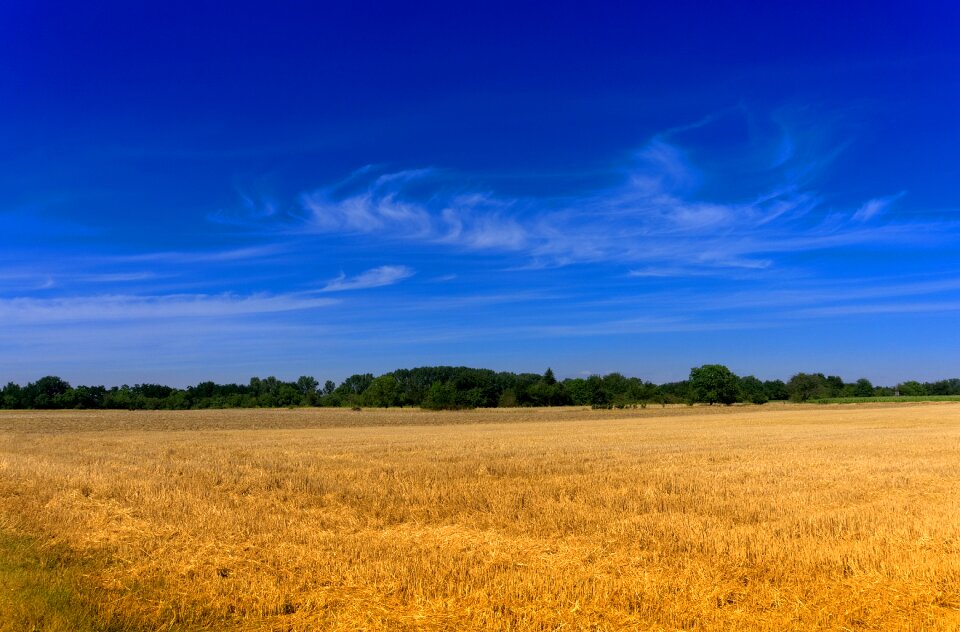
(760,517)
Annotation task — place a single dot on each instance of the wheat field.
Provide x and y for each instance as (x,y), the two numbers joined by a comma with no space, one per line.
(775,517)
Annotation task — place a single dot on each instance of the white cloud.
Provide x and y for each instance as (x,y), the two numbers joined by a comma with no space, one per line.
(119,307)
(376,277)
(480,230)
(870,210)
(207,256)
(659,216)
(651,218)
(881,308)
(875,207)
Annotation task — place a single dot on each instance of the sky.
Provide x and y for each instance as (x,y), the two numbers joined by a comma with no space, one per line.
(212,191)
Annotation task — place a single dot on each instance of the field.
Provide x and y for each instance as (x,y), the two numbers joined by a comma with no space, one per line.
(885,399)
(771,517)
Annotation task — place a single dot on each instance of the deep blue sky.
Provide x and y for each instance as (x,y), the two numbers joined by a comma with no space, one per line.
(206,190)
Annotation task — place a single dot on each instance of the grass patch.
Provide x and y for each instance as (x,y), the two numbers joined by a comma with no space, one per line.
(38,589)
(902,399)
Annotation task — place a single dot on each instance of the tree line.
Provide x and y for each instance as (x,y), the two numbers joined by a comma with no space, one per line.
(447,387)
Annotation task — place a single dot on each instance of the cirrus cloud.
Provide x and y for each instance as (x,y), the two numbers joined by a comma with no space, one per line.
(121,307)
(375,277)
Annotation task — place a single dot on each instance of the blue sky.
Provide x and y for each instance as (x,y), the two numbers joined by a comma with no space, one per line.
(204,190)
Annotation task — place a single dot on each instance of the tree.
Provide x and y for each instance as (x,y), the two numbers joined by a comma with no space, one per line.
(384,391)
(203,390)
(287,395)
(675,392)
(863,388)
(43,393)
(441,396)
(776,390)
(616,387)
(804,386)
(834,385)
(943,387)
(307,385)
(598,394)
(578,390)
(508,399)
(912,388)
(12,396)
(89,396)
(640,392)
(355,384)
(548,378)
(540,394)
(753,391)
(714,383)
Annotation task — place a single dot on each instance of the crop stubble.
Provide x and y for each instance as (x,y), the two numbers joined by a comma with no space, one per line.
(772,517)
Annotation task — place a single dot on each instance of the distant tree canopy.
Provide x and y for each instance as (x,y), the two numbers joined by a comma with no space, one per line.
(448,387)
(804,386)
(714,384)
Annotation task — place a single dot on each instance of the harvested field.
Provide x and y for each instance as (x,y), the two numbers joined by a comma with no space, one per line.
(772,517)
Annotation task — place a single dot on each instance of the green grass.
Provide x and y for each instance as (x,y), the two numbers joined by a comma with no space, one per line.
(38,589)
(902,398)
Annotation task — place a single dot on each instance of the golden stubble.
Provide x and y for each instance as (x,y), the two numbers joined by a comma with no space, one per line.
(773,517)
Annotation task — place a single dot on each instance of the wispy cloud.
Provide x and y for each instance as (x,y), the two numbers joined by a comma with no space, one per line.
(405,205)
(58,277)
(119,307)
(881,308)
(376,277)
(203,256)
(793,298)
(873,208)
(825,293)
(662,217)
(378,207)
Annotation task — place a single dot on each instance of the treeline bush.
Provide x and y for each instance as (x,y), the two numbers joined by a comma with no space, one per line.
(446,387)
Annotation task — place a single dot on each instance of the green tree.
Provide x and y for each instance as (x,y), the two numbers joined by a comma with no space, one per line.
(776,390)
(540,394)
(472,398)
(287,395)
(616,388)
(834,385)
(863,388)
(43,393)
(355,384)
(912,388)
(943,387)
(89,396)
(440,396)
(675,392)
(548,377)
(508,399)
(714,383)
(12,396)
(578,390)
(752,390)
(598,394)
(804,386)
(307,386)
(383,391)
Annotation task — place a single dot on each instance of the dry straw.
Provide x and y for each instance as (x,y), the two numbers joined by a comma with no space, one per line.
(772,518)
